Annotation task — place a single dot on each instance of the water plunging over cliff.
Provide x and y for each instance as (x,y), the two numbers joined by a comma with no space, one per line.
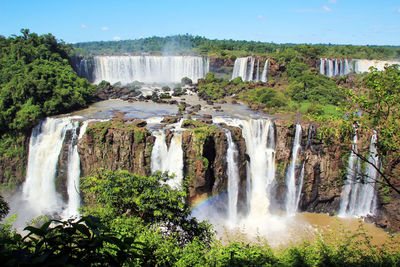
(168,159)
(334,67)
(244,67)
(359,194)
(39,190)
(292,192)
(233,178)
(147,69)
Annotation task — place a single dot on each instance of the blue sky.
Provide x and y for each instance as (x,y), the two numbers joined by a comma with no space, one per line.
(280,21)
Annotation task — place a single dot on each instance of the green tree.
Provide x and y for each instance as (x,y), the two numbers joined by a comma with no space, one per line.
(377,107)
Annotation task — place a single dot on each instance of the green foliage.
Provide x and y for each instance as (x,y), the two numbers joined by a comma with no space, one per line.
(110,194)
(270,97)
(186,81)
(377,107)
(36,80)
(4,208)
(188,44)
(80,243)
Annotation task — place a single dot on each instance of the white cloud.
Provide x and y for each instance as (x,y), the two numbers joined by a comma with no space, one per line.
(105,28)
(398,10)
(83,26)
(327,9)
(332,1)
(260,17)
(116,38)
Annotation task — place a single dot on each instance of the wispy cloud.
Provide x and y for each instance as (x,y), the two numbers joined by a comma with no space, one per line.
(327,9)
(116,38)
(83,26)
(105,28)
(398,10)
(332,1)
(311,10)
(260,17)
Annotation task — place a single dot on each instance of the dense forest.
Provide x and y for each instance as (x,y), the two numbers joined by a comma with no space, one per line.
(188,44)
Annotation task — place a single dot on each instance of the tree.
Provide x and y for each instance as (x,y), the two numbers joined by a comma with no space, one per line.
(377,107)
(155,204)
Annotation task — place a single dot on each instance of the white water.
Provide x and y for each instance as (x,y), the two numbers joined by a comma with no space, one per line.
(291,190)
(339,67)
(363,65)
(334,67)
(264,75)
(168,159)
(149,69)
(39,189)
(351,185)
(300,187)
(260,146)
(359,195)
(240,68)
(244,68)
(233,179)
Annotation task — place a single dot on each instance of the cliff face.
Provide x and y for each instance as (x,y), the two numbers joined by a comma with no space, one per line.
(13,162)
(116,145)
(322,168)
(205,165)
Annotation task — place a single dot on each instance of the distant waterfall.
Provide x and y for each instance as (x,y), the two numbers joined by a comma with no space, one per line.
(168,159)
(334,67)
(147,69)
(292,191)
(233,178)
(359,195)
(244,68)
(39,189)
(264,74)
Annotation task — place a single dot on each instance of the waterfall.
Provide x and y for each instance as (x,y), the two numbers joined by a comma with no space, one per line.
(251,70)
(334,67)
(168,159)
(264,74)
(350,184)
(322,66)
(258,71)
(244,68)
(39,189)
(300,187)
(291,192)
(346,67)
(261,170)
(233,178)
(148,69)
(240,68)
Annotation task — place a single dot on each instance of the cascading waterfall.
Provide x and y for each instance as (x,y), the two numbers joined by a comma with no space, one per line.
(258,71)
(233,178)
(334,67)
(300,187)
(367,196)
(168,159)
(244,68)
(39,189)
(359,195)
(292,191)
(264,75)
(240,68)
(260,146)
(148,69)
(350,188)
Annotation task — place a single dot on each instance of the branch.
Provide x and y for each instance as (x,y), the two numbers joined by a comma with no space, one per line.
(387,179)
